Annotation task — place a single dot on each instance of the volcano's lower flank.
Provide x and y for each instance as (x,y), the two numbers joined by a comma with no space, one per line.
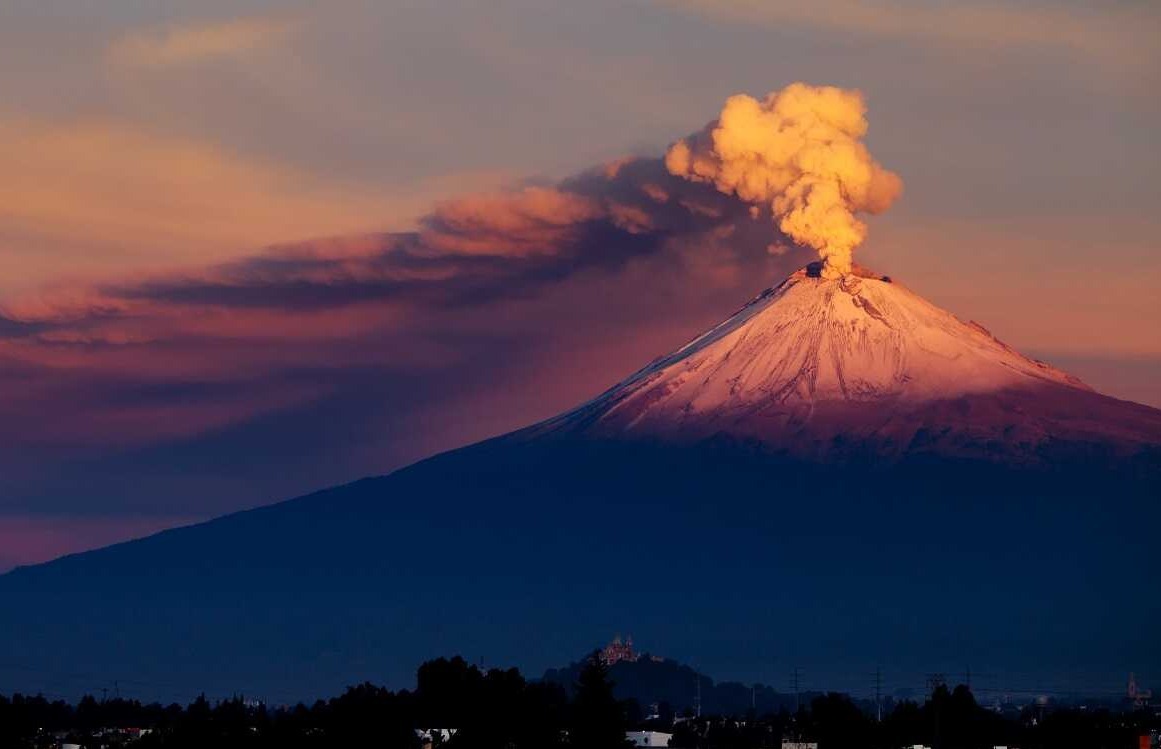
(840,475)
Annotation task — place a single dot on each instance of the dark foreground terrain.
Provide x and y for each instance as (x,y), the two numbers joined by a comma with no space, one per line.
(499,709)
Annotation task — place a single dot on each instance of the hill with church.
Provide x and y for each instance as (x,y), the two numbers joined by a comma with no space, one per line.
(663,687)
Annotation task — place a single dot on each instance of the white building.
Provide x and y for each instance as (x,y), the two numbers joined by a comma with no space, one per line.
(648,738)
(431,736)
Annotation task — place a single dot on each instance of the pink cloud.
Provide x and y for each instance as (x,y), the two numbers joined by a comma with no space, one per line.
(531,220)
(242,334)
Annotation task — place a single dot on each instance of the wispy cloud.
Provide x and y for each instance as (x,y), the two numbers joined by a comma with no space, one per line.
(1122,34)
(179,45)
(116,197)
(382,301)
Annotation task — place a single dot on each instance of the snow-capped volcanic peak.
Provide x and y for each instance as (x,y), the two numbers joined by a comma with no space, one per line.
(811,340)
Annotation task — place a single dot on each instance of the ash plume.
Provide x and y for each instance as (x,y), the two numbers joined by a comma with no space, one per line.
(798,151)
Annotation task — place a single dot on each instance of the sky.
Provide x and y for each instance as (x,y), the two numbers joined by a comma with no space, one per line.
(252,249)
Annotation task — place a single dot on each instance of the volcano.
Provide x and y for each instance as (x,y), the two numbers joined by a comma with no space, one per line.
(834,368)
(840,475)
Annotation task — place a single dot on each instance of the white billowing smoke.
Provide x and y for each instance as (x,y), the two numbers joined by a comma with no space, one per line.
(799,151)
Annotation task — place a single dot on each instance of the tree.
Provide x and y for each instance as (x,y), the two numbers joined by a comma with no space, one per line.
(598,720)
(838,723)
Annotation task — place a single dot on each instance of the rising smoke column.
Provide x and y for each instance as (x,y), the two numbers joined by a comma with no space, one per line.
(798,151)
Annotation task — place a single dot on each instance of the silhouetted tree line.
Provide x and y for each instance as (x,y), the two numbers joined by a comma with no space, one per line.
(950,719)
(496,708)
(500,709)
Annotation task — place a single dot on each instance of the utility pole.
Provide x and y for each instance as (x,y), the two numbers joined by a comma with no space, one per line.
(878,695)
(794,682)
(697,697)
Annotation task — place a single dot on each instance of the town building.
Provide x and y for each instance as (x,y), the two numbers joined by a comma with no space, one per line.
(648,738)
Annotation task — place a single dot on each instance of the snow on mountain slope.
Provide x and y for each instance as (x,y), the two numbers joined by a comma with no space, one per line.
(857,358)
